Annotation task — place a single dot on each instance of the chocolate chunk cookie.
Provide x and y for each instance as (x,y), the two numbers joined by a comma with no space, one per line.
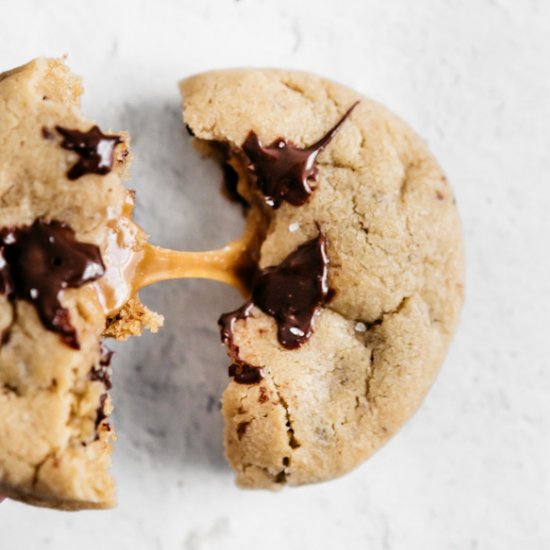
(322,377)
(63,209)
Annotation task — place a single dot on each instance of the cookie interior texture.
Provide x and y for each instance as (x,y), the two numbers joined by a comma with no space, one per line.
(396,265)
(55,441)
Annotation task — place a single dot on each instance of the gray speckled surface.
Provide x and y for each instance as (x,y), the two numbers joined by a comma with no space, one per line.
(471,471)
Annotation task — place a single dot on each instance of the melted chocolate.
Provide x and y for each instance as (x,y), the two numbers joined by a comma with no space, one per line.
(227,323)
(240,371)
(245,374)
(95,149)
(102,371)
(291,292)
(38,262)
(100,412)
(284,171)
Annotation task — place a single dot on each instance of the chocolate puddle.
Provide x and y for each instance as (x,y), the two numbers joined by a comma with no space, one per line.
(38,262)
(283,171)
(292,293)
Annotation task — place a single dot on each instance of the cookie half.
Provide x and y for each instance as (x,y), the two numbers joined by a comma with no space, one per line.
(63,214)
(312,159)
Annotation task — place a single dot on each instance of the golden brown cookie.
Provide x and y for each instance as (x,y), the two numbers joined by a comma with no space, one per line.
(370,196)
(63,209)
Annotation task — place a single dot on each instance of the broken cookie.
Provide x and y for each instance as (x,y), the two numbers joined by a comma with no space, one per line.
(310,400)
(63,209)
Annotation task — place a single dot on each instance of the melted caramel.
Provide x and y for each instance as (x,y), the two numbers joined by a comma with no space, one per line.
(160,264)
(132,263)
(122,255)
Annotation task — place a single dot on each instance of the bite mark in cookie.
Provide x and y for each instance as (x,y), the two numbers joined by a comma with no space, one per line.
(38,262)
(95,149)
(283,171)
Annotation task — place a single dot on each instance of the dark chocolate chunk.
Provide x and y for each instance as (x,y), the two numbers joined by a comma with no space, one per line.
(47,133)
(102,371)
(280,477)
(5,337)
(263,398)
(241,372)
(241,429)
(284,171)
(245,374)
(100,413)
(38,262)
(227,323)
(95,149)
(291,292)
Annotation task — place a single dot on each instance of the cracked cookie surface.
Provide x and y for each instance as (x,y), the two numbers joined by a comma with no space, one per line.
(55,441)
(395,263)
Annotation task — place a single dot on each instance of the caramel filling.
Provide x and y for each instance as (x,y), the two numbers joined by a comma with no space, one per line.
(132,263)
(160,264)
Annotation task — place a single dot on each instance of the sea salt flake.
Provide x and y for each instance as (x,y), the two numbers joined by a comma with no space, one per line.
(293,227)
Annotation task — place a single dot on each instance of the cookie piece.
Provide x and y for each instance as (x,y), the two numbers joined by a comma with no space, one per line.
(308,413)
(63,213)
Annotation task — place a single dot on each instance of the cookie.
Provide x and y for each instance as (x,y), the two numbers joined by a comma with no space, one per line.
(65,217)
(351,264)
(360,275)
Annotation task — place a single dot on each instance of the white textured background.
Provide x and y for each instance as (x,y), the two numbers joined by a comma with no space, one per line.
(471,471)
